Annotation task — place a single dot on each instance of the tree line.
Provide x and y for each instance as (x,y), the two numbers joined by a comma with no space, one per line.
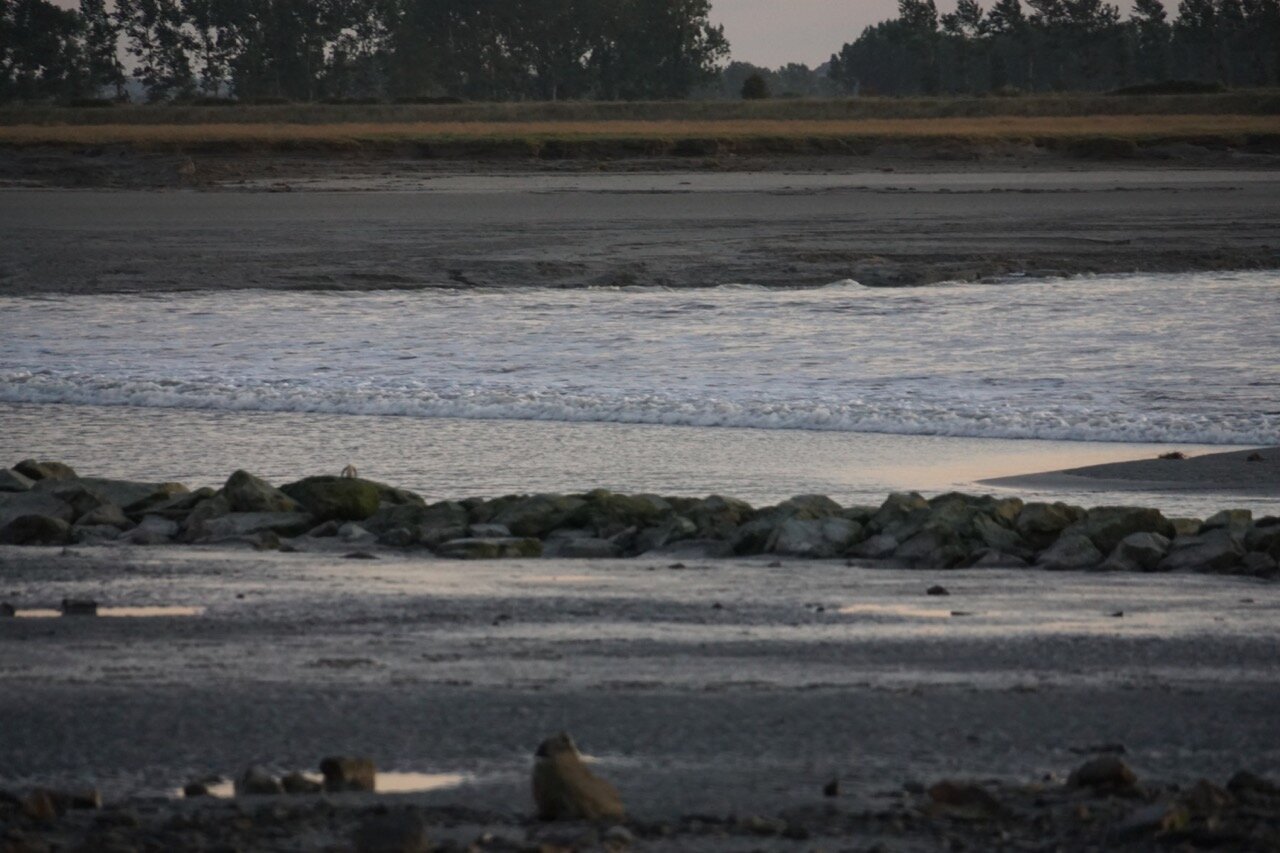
(1061,45)
(307,50)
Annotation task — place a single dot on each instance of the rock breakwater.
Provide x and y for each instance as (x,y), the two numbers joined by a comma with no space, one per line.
(49,504)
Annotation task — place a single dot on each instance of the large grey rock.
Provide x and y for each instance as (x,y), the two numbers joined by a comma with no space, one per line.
(1107,526)
(428,525)
(994,535)
(336,498)
(175,508)
(489,531)
(530,515)
(693,549)
(38,470)
(490,549)
(991,558)
(256,782)
(94,534)
(816,538)
(1071,552)
(896,507)
(674,529)
(878,547)
(104,515)
(1264,539)
(346,773)
(1137,552)
(1257,564)
(609,513)
(1040,524)
(153,530)
(246,493)
(123,493)
(936,546)
(1186,526)
(35,530)
(1216,551)
(237,525)
(807,507)
(17,504)
(13,481)
(754,536)
(1234,520)
(716,517)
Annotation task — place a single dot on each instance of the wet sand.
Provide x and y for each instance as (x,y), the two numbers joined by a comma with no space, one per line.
(1255,471)
(406,229)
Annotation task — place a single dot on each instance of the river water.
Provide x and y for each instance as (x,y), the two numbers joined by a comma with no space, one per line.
(757,392)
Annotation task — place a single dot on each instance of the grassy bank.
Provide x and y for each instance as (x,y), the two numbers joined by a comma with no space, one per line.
(1109,135)
(1255,102)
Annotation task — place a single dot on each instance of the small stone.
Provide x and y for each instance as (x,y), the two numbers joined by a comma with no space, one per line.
(191,790)
(831,789)
(342,773)
(964,798)
(79,607)
(7,610)
(937,590)
(87,799)
(257,781)
(1255,457)
(359,555)
(402,831)
(1106,774)
(564,788)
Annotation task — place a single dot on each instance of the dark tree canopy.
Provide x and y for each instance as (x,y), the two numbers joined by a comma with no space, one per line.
(342,49)
(1053,45)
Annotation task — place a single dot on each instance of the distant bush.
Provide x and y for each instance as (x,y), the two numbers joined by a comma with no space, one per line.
(207,101)
(1172,87)
(352,102)
(430,100)
(754,88)
(90,103)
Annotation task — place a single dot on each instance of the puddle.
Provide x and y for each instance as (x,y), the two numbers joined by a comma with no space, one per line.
(390,782)
(909,611)
(119,612)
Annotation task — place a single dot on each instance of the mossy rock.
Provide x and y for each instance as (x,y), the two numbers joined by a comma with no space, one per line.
(336,498)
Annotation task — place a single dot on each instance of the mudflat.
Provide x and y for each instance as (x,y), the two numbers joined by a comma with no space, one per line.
(1252,471)
(722,694)
(458,228)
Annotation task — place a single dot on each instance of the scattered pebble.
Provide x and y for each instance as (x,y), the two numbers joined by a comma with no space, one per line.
(937,590)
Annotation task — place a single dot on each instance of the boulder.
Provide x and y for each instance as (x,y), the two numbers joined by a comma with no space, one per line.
(995,535)
(1072,552)
(1107,526)
(257,781)
(1040,524)
(428,525)
(879,547)
(817,538)
(237,525)
(1214,552)
(246,493)
(528,515)
(490,549)
(336,498)
(17,504)
(1186,526)
(754,536)
(12,481)
(175,508)
(344,773)
(203,513)
(1235,520)
(936,546)
(609,513)
(564,788)
(352,532)
(1137,552)
(964,800)
(123,493)
(674,529)
(153,530)
(694,549)
(106,515)
(35,530)
(1264,539)
(716,517)
(1258,565)
(34,470)
(895,509)
(805,507)
(1104,775)
(299,783)
(488,531)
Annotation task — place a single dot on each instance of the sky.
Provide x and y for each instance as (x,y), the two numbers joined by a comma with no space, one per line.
(775,32)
